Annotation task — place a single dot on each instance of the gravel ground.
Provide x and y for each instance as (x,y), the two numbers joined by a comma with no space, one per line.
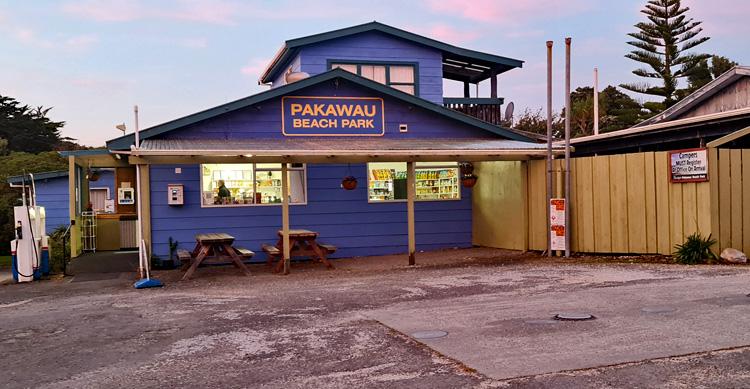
(312,328)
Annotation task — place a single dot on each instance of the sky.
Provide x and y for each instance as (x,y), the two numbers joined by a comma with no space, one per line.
(93,60)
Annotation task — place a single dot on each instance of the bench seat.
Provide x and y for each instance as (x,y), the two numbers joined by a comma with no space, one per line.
(243,252)
(329,248)
(271,249)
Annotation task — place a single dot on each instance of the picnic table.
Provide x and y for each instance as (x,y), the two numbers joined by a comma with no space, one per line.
(214,248)
(302,243)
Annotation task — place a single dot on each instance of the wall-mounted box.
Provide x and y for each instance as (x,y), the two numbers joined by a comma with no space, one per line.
(125,196)
(176,194)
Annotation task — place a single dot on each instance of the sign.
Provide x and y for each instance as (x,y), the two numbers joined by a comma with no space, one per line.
(689,165)
(557,224)
(125,196)
(332,116)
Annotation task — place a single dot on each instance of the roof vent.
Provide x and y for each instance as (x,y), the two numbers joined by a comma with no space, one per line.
(295,76)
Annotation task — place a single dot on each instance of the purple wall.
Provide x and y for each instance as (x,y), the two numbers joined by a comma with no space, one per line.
(263,120)
(343,218)
(378,47)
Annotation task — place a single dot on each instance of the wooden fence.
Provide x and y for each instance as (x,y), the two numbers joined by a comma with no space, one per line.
(624,204)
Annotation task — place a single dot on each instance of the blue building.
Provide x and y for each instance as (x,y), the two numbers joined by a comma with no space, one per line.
(364,102)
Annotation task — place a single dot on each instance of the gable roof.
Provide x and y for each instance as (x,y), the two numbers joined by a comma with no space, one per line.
(124,142)
(459,64)
(699,96)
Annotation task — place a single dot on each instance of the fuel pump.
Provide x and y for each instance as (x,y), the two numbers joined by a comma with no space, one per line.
(30,248)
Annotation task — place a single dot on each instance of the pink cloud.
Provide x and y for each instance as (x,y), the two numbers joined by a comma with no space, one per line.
(509,12)
(255,67)
(446,33)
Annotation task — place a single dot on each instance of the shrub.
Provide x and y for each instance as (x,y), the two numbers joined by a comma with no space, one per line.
(696,249)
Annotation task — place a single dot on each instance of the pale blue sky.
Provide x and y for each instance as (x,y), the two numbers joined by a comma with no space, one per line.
(93,60)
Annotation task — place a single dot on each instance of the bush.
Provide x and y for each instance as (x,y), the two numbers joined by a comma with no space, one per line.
(59,241)
(696,249)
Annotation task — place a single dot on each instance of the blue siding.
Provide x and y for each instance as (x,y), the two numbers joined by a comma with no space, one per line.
(52,194)
(343,218)
(294,65)
(263,120)
(376,46)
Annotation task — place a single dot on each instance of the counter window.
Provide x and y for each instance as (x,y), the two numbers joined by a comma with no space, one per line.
(434,181)
(239,184)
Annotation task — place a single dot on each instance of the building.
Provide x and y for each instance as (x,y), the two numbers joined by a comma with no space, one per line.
(366,102)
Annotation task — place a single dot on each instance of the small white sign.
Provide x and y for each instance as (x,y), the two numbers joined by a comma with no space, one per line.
(557,224)
(688,165)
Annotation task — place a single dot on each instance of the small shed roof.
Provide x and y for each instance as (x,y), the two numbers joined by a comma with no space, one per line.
(38,176)
(698,96)
(458,63)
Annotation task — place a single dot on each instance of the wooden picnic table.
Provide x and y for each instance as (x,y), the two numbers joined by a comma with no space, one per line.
(216,247)
(302,243)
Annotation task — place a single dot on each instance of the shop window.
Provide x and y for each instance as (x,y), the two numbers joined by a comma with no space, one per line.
(401,77)
(434,181)
(245,184)
(98,198)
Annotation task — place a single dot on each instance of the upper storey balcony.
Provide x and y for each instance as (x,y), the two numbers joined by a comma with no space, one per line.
(473,71)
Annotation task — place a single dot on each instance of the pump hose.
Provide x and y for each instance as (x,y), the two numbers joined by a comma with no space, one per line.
(31,229)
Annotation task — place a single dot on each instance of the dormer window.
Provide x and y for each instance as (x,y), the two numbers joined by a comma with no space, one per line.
(401,76)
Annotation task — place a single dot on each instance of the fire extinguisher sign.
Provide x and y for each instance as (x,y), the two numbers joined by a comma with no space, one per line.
(557,224)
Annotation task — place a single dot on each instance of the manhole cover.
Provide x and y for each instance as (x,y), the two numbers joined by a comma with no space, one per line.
(430,334)
(658,310)
(574,316)
(540,322)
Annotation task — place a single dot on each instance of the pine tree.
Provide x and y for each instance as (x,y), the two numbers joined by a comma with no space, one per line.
(662,44)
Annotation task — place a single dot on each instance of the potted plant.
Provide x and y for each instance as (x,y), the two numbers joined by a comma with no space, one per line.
(469,180)
(349,182)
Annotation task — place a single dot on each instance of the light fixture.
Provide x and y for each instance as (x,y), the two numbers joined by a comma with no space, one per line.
(121,127)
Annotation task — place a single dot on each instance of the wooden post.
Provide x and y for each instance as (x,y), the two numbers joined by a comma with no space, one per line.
(410,195)
(145,203)
(72,207)
(285,215)
(466,89)
(493,85)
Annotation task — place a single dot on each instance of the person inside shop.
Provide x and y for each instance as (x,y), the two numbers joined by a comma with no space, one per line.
(224,193)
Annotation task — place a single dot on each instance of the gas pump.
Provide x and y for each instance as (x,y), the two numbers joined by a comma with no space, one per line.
(30,250)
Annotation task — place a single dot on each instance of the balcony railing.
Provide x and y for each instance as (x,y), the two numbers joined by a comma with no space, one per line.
(487,109)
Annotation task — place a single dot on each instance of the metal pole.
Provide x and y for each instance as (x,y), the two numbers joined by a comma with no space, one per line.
(142,261)
(567,147)
(549,144)
(596,101)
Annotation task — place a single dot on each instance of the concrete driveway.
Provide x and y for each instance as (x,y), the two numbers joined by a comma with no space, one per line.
(656,326)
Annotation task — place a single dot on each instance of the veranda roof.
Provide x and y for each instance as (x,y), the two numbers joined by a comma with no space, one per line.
(338,149)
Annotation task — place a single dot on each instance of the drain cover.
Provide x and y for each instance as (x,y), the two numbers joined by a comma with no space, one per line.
(658,310)
(540,322)
(429,334)
(574,316)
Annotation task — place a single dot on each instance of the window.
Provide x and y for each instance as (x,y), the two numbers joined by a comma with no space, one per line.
(250,184)
(401,77)
(98,198)
(434,181)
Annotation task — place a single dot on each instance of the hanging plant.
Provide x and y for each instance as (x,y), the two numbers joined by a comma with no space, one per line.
(92,175)
(467,168)
(349,183)
(469,180)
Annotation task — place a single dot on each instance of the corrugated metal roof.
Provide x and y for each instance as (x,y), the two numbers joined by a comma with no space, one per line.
(336,145)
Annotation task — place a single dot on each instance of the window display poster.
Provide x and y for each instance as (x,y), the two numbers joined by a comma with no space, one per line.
(557,224)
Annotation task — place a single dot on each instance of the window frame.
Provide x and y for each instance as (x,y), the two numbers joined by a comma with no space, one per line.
(446,166)
(255,183)
(387,64)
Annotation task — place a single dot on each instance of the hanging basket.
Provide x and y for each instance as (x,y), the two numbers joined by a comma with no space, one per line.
(469,180)
(349,183)
(467,168)
(93,175)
